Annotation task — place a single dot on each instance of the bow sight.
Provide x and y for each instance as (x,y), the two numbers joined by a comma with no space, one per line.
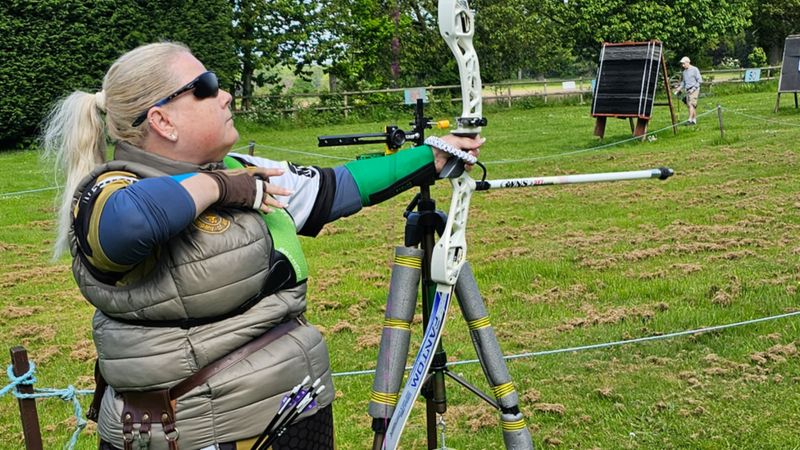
(393,137)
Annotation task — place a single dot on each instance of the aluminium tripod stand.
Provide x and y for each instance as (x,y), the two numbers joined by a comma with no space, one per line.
(412,266)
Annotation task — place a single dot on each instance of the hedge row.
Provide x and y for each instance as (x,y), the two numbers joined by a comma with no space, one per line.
(53,47)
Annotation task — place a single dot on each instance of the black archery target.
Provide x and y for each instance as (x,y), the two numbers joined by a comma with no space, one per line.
(627,79)
(790,71)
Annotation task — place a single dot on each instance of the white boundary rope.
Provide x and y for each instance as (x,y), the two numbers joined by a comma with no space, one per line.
(603,345)
(733,111)
(299,152)
(29,191)
(5,195)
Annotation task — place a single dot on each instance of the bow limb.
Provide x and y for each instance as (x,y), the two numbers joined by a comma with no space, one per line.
(456,25)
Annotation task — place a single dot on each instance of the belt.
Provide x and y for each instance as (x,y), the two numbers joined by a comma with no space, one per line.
(232,358)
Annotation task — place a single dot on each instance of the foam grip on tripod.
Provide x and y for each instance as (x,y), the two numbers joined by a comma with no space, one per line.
(396,333)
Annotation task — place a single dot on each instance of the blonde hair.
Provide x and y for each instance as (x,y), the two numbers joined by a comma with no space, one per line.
(74,132)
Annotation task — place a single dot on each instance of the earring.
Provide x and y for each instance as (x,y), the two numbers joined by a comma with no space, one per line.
(172,137)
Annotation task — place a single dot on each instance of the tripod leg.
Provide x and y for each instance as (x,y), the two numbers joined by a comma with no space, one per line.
(393,351)
(515,432)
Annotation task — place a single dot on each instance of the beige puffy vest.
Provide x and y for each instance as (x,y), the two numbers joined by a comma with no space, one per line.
(209,278)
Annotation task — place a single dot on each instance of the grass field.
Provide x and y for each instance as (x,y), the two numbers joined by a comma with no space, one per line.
(558,267)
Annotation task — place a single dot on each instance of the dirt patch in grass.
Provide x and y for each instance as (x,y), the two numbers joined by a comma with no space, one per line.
(731,256)
(530,396)
(83,351)
(327,278)
(340,326)
(775,337)
(760,369)
(775,354)
(573,293)
(550,408)
(10,279)
(356,309)
(43,355)
(476,416)
(697,411)
(725,295)
(324,305)
(595,317)
(330,230)
(553,441)
(5,247)
(85,382)
(686,268)
(658,274)
(481,418)
(34,333)
(508,253)
(725,242)
(607,393)
(15,312)
(369,336)
(658,361)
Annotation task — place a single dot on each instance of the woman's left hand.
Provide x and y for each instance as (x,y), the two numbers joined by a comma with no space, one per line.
(468,144)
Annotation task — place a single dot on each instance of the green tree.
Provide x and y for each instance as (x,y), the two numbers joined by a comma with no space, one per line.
(357,49)
(686,27)
(757,58)
(521,35)
(773,20)
(205,26)
(374,43)
(48,49)
(268,34)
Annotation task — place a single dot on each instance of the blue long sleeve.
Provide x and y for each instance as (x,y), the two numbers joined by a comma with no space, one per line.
(141,216)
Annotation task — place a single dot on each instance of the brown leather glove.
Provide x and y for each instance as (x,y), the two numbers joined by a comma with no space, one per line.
(238,190)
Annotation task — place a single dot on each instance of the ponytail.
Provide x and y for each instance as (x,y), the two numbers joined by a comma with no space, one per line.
(74,135)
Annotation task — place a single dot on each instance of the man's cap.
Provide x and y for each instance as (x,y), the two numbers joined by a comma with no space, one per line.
(686,60)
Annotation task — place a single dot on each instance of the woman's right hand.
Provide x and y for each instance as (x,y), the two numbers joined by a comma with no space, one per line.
(237,188)
(248,188)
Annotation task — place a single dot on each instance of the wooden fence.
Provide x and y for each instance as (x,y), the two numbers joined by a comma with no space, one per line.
(505,93)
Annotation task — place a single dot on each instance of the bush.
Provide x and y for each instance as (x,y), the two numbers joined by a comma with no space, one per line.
(757,57)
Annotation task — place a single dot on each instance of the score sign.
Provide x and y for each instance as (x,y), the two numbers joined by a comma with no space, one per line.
(752,75)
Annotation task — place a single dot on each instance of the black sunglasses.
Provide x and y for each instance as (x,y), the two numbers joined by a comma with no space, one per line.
(204,86)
